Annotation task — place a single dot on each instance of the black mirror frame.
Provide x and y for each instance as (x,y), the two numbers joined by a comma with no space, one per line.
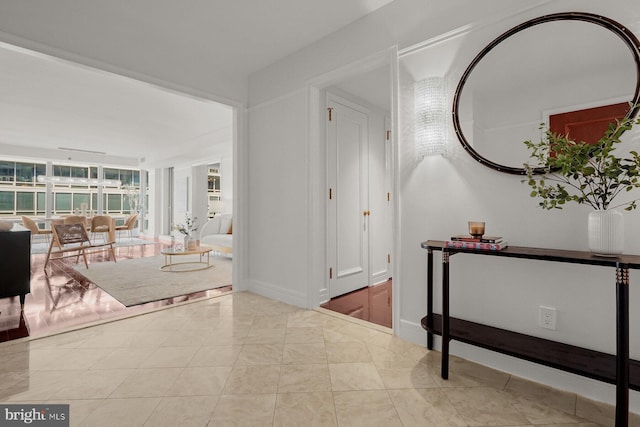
(621,31)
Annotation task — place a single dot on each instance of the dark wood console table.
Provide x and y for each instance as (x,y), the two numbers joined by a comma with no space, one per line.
(615,369)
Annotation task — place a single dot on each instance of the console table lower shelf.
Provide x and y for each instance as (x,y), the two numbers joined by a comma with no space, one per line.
(577,360)
(619,369)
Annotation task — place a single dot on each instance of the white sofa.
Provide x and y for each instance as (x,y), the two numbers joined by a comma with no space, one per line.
(217,233)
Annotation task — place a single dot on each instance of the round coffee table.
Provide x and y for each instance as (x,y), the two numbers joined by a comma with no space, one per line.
(200,264)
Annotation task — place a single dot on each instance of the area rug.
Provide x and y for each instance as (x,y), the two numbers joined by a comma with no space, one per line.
(138,281)
(43,247)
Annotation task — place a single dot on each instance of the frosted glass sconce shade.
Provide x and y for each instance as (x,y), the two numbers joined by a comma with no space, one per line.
(430,116)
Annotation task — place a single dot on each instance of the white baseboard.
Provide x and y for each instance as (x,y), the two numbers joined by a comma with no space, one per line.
(412,331)
(278,293)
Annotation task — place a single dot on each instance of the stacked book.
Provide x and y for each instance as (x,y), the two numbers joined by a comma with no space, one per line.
(488,243)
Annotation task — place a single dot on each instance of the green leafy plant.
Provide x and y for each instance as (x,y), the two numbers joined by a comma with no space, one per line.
(568,171)
(189,225)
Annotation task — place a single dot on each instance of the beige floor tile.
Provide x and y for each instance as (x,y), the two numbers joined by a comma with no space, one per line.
(253,380)
(306,319)
(553,398)
(260,354)
(147,383)
(599,412)
(169,357)
(425,407)
(405,375)
(246,410)
(79,410)
(223,355)
(92,384)
(148,339)
(297,354)
(336,335)
(193,411)
(304,378)
(202,381)
(207,362)
(121,412)
(463,373)
(365,408)
(265,336)
(16,362)
(8,382)
(484,406)
(123,358)
(354,376)
(347,352)
(48,359)
(224,336)
(109,338)
(270,321)
(304,335)
(383,354)
(39,385)
(183,338)
(305,409)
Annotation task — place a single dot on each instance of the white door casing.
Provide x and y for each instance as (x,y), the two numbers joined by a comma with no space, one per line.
(380,220)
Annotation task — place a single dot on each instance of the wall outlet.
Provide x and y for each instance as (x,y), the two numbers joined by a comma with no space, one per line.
(547,317)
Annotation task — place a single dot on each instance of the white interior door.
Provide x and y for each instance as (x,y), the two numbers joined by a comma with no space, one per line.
(348,216)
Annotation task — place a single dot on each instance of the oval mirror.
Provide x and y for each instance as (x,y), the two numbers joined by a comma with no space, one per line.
(549,66)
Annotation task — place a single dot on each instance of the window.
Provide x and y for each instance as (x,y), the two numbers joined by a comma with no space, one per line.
(25,203)
(7,202)
(79,199)
(7,170)
(22,194)
(62,202)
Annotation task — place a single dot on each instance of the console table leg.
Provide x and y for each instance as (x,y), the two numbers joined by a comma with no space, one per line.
(622,346)
(430,295)
(444,371)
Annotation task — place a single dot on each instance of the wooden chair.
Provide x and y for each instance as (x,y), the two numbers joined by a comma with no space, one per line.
(35,230)
(101,224)
(129,224)
(76,236)
(75,219)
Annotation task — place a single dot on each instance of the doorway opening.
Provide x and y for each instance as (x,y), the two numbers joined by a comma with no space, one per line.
(355,145)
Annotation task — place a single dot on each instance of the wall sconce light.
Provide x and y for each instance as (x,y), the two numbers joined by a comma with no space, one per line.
(430,133)
(79,181)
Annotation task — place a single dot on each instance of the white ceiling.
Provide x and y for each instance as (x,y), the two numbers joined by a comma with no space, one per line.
(54,103)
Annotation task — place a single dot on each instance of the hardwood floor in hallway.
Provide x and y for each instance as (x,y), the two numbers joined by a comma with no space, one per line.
(372,304)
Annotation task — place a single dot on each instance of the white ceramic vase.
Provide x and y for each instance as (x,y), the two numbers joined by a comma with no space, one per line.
(606,232)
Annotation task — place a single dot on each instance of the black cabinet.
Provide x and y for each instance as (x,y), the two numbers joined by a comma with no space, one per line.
(15,263)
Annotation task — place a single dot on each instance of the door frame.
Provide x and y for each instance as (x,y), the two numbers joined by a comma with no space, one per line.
(317,174)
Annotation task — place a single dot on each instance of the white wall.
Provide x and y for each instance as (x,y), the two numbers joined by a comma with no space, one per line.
(226,183)
(277,186)
(438,196)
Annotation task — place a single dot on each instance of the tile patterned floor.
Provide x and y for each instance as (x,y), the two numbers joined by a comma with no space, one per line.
(244,360)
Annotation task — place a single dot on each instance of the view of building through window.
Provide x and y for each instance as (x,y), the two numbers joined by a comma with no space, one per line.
(21,193)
